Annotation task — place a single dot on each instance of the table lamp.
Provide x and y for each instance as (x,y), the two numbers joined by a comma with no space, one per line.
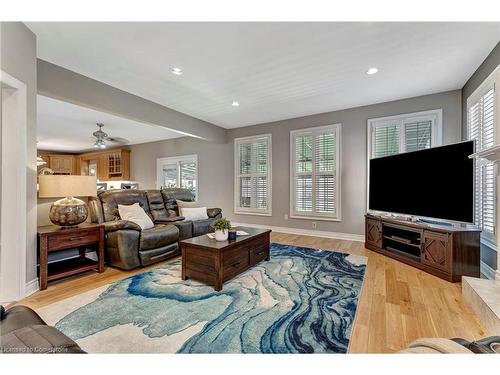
(69,211)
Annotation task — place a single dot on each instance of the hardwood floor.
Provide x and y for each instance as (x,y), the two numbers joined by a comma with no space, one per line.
(398,303)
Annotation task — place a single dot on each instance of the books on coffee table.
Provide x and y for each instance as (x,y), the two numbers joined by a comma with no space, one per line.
(238,233)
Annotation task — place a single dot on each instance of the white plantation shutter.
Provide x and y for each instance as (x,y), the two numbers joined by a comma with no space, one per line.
(189,175)
(481,128)
(253,175)
(178,171)
(303,172)
(315,162)
(170,175)
(404,133)
(385,140)
(325,172)
(418,135)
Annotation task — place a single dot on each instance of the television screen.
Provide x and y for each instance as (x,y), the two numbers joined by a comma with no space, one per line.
(436,183)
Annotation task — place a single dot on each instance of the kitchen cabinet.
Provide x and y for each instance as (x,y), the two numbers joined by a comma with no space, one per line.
(110,164)
(59,163)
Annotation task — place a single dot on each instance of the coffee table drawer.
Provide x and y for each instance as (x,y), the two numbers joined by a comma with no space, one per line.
(235,265)
(259,254)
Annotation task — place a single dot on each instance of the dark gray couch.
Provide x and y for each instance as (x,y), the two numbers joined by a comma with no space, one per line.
(23,331)
(127,246)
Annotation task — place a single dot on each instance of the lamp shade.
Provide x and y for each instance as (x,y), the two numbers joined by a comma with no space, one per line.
(54,186)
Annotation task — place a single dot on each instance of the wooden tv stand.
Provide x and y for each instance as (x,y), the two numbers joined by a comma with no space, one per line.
(448,252)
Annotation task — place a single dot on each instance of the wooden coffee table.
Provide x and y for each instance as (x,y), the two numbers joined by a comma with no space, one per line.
(213,262)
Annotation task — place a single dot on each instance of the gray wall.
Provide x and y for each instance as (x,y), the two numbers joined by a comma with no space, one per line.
(18,59)
(488,255)
(216,162)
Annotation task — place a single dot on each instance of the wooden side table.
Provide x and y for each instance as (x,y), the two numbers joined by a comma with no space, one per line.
(52,238)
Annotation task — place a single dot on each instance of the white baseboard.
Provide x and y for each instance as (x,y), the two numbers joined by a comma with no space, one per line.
(31,287)
(487,271)
(307,232)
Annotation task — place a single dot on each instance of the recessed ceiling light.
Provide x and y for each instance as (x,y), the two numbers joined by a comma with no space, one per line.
(371,71)
(176,71)
(235,103)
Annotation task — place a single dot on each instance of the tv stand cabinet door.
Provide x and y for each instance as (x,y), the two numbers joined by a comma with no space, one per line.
(373,232)
(436,250)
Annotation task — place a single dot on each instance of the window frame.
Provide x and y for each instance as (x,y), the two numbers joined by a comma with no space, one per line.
(237,209)
(338,169)
(492,81)
(178,160)
(436,115)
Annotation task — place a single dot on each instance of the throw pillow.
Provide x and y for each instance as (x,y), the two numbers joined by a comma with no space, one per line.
(135,214)
(185,204)
(195,213)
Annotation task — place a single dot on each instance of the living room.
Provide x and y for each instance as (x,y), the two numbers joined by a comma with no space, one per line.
(256,187)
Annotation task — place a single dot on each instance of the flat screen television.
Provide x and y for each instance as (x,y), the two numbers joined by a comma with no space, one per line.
(433,183)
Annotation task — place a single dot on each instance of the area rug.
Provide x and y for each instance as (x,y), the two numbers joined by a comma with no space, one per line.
(301,301)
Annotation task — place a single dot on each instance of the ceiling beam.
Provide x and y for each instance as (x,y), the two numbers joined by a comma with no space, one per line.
(60,83)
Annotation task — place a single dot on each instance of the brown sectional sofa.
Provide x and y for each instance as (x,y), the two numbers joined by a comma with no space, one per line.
(127,246)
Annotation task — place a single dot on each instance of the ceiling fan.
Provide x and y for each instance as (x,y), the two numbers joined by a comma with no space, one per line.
(101,138)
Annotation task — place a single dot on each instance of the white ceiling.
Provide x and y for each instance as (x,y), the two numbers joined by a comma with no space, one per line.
(275,70)
(67,127)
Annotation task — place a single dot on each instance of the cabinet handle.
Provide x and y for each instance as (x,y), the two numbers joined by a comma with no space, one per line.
(259,253)
(236,264)
(76,238)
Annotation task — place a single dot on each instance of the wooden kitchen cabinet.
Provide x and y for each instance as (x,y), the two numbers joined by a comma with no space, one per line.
(111,164)
(62,164)
(59,163)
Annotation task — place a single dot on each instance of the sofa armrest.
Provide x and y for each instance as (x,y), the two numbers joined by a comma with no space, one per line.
(214,213)
(113,226)
(167,220)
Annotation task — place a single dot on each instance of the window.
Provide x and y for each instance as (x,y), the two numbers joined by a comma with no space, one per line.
(252,171)
(481,128)
(404,133)
(178,171)
(315,172)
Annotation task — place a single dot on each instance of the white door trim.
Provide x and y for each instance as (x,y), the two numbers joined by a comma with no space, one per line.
(13,159)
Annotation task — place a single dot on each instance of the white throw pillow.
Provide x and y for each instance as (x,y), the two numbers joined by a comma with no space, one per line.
(135,214)
(195,213)
(181,205)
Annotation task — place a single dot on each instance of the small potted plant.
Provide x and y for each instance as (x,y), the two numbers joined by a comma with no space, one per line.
(221,227)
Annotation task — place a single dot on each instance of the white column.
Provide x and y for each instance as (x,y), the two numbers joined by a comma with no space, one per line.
(13,188)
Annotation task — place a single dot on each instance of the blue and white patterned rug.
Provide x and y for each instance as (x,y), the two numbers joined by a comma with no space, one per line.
(302,301)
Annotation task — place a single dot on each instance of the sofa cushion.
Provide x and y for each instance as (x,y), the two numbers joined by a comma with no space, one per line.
(158,236)
(195,213)
(36,339)
(170,197)
(201,227)
(110,200)
(135,214)
(183,204)
(18,317)
(156,205)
